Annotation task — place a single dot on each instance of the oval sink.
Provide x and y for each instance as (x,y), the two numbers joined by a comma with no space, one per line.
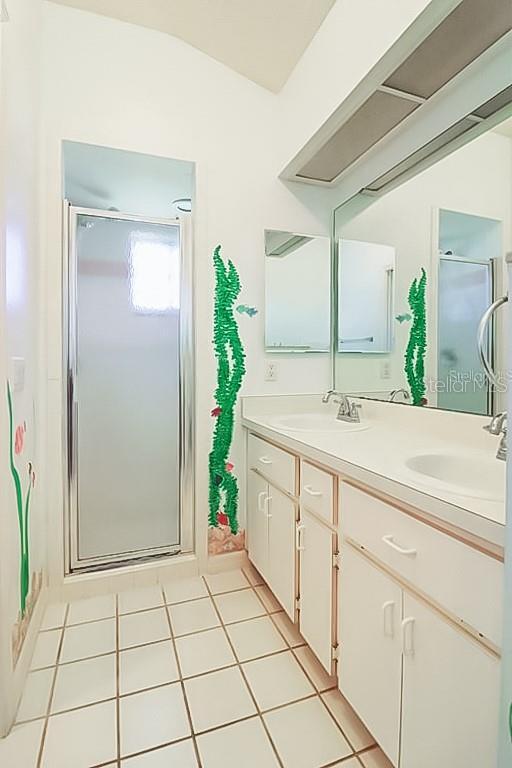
(315,422)
(480,477)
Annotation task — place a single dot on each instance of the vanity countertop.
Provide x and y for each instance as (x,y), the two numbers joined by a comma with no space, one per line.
(378,455)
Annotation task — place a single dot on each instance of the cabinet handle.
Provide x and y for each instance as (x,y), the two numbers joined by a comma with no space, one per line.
(388,610)
(408,636)
(391,543)
(267,504)
(309,489)
(298,538)
(261,497)
(265,460)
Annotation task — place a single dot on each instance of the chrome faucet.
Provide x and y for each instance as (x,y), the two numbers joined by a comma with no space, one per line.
(347,411)
(498,426)
(395,392)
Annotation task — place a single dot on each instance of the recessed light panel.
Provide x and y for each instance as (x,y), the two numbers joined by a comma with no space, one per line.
(373,120)
(464,34)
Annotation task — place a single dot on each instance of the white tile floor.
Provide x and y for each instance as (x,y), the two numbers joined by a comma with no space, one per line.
(203,673)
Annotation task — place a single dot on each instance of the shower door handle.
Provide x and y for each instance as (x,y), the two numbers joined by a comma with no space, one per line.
(72,425)
(481,333)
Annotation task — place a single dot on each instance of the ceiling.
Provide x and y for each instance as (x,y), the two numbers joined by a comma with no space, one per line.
(261,39)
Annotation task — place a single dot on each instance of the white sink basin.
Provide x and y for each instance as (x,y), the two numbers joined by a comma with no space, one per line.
(481,477)
(315,422)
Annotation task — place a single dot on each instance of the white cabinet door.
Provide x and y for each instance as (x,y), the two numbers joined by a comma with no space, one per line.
(370,666)
(316,545)
(281,549)
(450,695)
(257,508)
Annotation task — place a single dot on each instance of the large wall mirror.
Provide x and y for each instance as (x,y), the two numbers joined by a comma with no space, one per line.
(417,268)
(297,288)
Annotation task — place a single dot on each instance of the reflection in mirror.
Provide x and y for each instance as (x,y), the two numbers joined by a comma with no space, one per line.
(297,286)
(365,269)
(453,221)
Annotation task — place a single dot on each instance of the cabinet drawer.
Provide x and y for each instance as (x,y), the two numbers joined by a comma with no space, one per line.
(467,583)
(317,491)
(277,465)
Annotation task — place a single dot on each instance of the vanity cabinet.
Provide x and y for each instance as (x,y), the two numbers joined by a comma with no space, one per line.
(292,540)
(450,698)
(370,666)
(424,681)
(272,530)
(316,544)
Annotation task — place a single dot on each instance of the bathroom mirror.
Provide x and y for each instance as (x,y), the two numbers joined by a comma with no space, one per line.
(297,287)
(365,270)
(417,267)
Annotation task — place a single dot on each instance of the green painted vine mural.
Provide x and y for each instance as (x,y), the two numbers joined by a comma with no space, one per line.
(16,446)
(229,351)
(417,345)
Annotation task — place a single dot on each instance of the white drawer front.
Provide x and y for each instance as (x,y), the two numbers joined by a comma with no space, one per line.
(466,582)
(317,491)
(277,465)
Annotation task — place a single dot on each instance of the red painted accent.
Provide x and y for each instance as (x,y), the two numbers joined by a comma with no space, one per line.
(18,440)
(222,519)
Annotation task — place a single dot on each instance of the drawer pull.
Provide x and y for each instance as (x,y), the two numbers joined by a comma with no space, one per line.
(309,489)
(265,460)
(391,543)
(408,636)
(388,617)
(261,497)
(298,538)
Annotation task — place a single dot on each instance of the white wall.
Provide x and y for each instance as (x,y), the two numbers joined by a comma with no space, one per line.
(476,180)
(19,321)
(158,95)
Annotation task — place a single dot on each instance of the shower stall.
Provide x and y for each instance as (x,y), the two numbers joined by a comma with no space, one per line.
(129,396)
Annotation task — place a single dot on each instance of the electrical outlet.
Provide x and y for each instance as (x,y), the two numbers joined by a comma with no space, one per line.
(385,369)
(271,372)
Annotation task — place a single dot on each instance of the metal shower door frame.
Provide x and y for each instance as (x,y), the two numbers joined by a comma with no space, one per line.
(73,562)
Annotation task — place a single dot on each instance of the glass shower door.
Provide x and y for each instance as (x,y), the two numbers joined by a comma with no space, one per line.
(124,355)
(465,291)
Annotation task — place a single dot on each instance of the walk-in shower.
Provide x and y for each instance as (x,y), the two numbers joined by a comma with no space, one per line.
(128,366)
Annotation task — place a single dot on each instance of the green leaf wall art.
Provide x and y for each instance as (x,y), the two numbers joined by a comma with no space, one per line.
(16,446)
(223,491)
(417,345)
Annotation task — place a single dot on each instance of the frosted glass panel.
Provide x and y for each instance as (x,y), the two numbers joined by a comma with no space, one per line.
(465,292)
(127,386)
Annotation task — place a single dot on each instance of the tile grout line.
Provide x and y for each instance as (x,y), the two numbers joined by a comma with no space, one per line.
(293,649)
(178,637)
(302,666)
(289,648)
(52,692)
(151,608)
(146,689)
(118,704)
(182,684)
(242,672)
(319,692)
